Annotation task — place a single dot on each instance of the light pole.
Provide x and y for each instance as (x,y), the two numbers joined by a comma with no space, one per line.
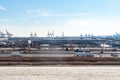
(29,44)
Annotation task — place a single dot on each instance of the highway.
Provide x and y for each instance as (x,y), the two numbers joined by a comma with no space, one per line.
(57,54)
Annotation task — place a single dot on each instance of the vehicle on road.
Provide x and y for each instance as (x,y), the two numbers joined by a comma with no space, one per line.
(15,54)
(114,55)
(83,53)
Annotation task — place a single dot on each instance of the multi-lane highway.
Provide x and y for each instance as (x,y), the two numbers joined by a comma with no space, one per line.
(58,54)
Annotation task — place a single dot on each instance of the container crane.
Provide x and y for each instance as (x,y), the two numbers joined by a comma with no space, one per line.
(8,34)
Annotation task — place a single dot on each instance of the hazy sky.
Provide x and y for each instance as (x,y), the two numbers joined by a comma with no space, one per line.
(73,17)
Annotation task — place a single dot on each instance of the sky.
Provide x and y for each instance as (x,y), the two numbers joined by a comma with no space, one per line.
(71,17)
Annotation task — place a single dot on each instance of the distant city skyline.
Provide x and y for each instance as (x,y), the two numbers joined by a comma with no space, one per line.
(71,17)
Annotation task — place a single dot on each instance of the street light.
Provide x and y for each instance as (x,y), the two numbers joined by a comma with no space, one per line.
(29,44)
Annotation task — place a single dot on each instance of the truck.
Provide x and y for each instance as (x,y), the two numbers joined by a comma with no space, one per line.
(83,53)
(114,55)
(15,54)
